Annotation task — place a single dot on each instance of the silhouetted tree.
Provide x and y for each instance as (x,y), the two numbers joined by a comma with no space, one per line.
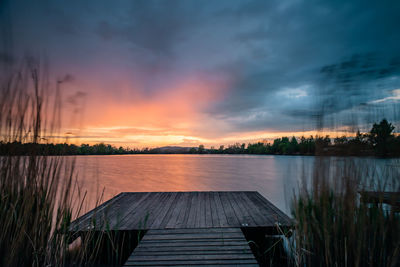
(322,144)
(380,137)
(293,146)
(338,141)
(201,149)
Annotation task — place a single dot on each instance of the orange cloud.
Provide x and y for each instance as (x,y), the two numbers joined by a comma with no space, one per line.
(130,115)
(127,114)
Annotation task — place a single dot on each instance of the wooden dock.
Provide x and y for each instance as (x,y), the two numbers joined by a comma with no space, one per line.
(186,228)
(390,198)
(198,246)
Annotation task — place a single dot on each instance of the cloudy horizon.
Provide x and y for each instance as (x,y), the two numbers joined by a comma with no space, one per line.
(155,73)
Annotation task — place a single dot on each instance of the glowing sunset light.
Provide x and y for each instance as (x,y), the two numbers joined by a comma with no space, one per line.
(147,137)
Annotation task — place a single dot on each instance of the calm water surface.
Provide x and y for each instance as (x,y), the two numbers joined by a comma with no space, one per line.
(275,177)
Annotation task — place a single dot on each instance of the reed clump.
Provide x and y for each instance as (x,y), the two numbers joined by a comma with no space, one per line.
(38,193)
(334,227)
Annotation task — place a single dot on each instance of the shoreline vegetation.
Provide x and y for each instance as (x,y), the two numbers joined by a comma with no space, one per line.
(379,142)
(335,227)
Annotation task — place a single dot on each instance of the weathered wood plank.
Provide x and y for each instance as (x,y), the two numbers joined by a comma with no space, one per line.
(155,204)
(192,257)
(235,208)
(246,212)
(109,214)
(208,214)
(192,262)
(194,241)
(83,222)
(138,218)
(229,212)
(219,253)
(191,223)
(223,221)
(194,250)
(201,212)
(254,212)
(265,211)
(203,242)
(131,211)
(275,213)
(170,218)
(192,236)
(241,213)
(213,209)
(165,209)
(198,230)
(158,207)
(202,265)
(181,220)
(121,209)
(255,264)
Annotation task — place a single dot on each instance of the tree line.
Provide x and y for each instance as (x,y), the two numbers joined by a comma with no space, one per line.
(379,141)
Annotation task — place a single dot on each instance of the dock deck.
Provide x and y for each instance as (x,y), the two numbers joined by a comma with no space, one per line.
(186,228)
(177,210)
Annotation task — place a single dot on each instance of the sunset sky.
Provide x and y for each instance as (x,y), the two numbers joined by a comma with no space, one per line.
(190,72)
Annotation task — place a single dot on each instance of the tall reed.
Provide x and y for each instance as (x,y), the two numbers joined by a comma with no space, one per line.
(37,193)
(334,228)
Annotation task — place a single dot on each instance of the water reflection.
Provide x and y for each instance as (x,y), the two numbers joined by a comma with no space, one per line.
(275,177)
(266,174)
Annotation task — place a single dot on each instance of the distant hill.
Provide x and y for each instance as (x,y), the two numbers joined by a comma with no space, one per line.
(172,149)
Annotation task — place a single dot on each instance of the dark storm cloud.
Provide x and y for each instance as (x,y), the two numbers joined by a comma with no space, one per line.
(301,41)
(289,61)
(154,25)
(358,78)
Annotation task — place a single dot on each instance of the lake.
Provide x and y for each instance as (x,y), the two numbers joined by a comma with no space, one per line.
(275,177)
